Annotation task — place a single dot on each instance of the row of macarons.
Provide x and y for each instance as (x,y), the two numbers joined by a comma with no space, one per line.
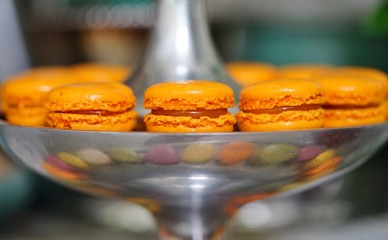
(350,97)
(339,97)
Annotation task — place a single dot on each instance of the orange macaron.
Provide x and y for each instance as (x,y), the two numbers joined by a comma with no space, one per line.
(189,106)
(23,95)
(368,72)
(249,73)
(281,104)
(99,72)
(352,101)
(98,106)
(305,71)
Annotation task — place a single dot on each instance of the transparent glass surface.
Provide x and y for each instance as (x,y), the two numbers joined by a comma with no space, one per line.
(209,175)
(191,182)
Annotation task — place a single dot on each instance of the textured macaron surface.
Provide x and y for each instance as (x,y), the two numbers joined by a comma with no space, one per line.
(161,123)
(367,72)
(281,93)
(343,90)
(281,104)
(304,71)
(189,95)
(30,89)
(248,73)
(97,72)
(113,97)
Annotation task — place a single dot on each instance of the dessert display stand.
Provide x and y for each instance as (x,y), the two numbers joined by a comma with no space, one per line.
(192,182)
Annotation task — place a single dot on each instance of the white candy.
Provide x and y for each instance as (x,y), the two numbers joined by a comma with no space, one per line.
(93,156)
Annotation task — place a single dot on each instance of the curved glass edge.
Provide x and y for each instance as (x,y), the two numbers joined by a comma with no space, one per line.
(234,167)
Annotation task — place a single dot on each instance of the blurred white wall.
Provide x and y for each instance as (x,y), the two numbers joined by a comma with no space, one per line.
(13,52)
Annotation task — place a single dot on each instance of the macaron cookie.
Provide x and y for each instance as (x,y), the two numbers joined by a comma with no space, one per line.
(304,71)
(249,73)
(281,104)
(23,95)
(352,101)
(97,106)
(189,106)
(99,72)
(368,72)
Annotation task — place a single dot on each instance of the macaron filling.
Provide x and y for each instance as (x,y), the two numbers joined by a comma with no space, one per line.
(278,110)
(347,107)
(93,112)
(197,113)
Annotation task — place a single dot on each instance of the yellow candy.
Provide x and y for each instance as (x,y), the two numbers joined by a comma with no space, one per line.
(72,160)
(199,153)
(320,159)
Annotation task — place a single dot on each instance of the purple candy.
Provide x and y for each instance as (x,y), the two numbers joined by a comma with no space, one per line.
(55,161)
(162,155)
(309,152)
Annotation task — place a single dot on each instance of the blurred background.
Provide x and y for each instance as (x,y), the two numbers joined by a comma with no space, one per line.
(62,32)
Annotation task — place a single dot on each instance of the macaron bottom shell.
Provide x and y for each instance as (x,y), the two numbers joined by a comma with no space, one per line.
(353,117)
(27,116)
(162,123)
(287,120)
(117,122)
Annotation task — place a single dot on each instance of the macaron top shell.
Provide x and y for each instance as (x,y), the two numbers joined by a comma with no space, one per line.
(115,97)
(305,71)
(189,95)
(98,72)
(248,73)
(31,87)
(281,93)
(368,72)
(343,90)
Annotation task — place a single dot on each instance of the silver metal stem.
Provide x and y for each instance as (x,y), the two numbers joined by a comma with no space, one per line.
(179,48)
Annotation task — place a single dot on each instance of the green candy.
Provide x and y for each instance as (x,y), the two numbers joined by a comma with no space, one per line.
(72,160)
(274,154)
(123,155)
(199,153)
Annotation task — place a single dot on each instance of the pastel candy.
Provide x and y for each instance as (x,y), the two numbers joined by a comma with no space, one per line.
(325,168)
(309,152)
(93,156)
(55,161)
(320,159)
(274,154)
(162,155)
(235,152)
(124,155)
(72,160)
(62,174)
(199,153)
